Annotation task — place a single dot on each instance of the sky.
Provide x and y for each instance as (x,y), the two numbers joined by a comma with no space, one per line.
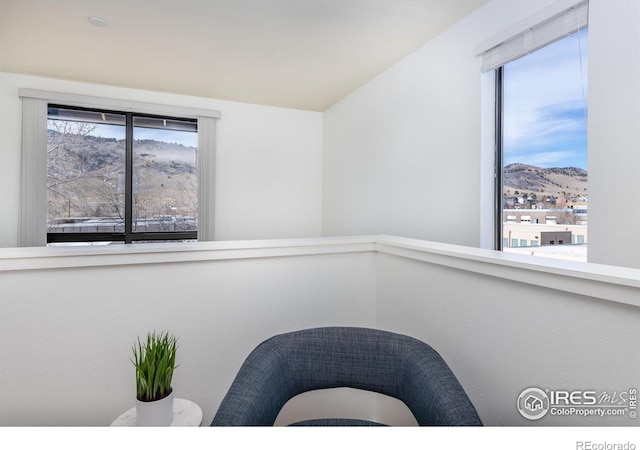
(545,106)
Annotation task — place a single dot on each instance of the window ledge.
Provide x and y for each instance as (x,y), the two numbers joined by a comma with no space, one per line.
(618,284)
(37,258)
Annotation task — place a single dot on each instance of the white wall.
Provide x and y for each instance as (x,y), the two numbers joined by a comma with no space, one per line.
(402,154)
(70,317)
(501,337)
(67,333)
(614,134)
(268,163)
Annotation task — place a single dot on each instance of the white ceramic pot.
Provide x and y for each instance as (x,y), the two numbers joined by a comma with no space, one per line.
(158,413)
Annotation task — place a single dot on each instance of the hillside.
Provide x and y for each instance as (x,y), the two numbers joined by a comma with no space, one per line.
(98,153)
(562,182)
(86,176)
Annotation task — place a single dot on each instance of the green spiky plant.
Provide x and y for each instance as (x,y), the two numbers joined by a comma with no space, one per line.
(154,362)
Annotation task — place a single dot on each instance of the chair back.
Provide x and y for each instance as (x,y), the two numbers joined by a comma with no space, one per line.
(375,360)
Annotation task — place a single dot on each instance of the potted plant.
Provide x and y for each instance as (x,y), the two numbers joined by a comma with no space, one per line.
(154,361)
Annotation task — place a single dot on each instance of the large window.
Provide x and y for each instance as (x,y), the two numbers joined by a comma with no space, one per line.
(120,177)
(543,158)
(541,190)
(106,170)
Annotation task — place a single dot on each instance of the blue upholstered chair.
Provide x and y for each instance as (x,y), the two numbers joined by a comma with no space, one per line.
(396,365)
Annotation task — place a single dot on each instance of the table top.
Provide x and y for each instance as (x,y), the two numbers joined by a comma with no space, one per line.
(185,414)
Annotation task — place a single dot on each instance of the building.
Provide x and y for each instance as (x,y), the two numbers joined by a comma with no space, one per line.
(289,184)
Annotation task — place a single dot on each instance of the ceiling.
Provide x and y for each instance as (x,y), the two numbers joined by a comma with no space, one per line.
(304,54)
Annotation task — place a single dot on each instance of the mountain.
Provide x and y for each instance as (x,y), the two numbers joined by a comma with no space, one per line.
(99,153)
(563,182)
(85,177)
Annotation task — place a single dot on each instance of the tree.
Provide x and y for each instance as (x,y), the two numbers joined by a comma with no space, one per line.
(65,167)
(82,172)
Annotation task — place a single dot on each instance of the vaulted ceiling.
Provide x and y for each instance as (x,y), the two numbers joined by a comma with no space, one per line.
(304,54)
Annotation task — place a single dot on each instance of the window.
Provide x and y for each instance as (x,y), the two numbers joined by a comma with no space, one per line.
(120,177)
(106,170)
(541,136)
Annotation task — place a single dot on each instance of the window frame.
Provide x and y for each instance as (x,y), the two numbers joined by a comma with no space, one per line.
(558,20)
(127,236)
(33,186)
(498,178)
(499,238)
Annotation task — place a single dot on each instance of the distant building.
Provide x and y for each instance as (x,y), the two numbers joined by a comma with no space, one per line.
(555,237)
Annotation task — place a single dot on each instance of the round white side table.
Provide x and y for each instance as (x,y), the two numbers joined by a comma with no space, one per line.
(185,414)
